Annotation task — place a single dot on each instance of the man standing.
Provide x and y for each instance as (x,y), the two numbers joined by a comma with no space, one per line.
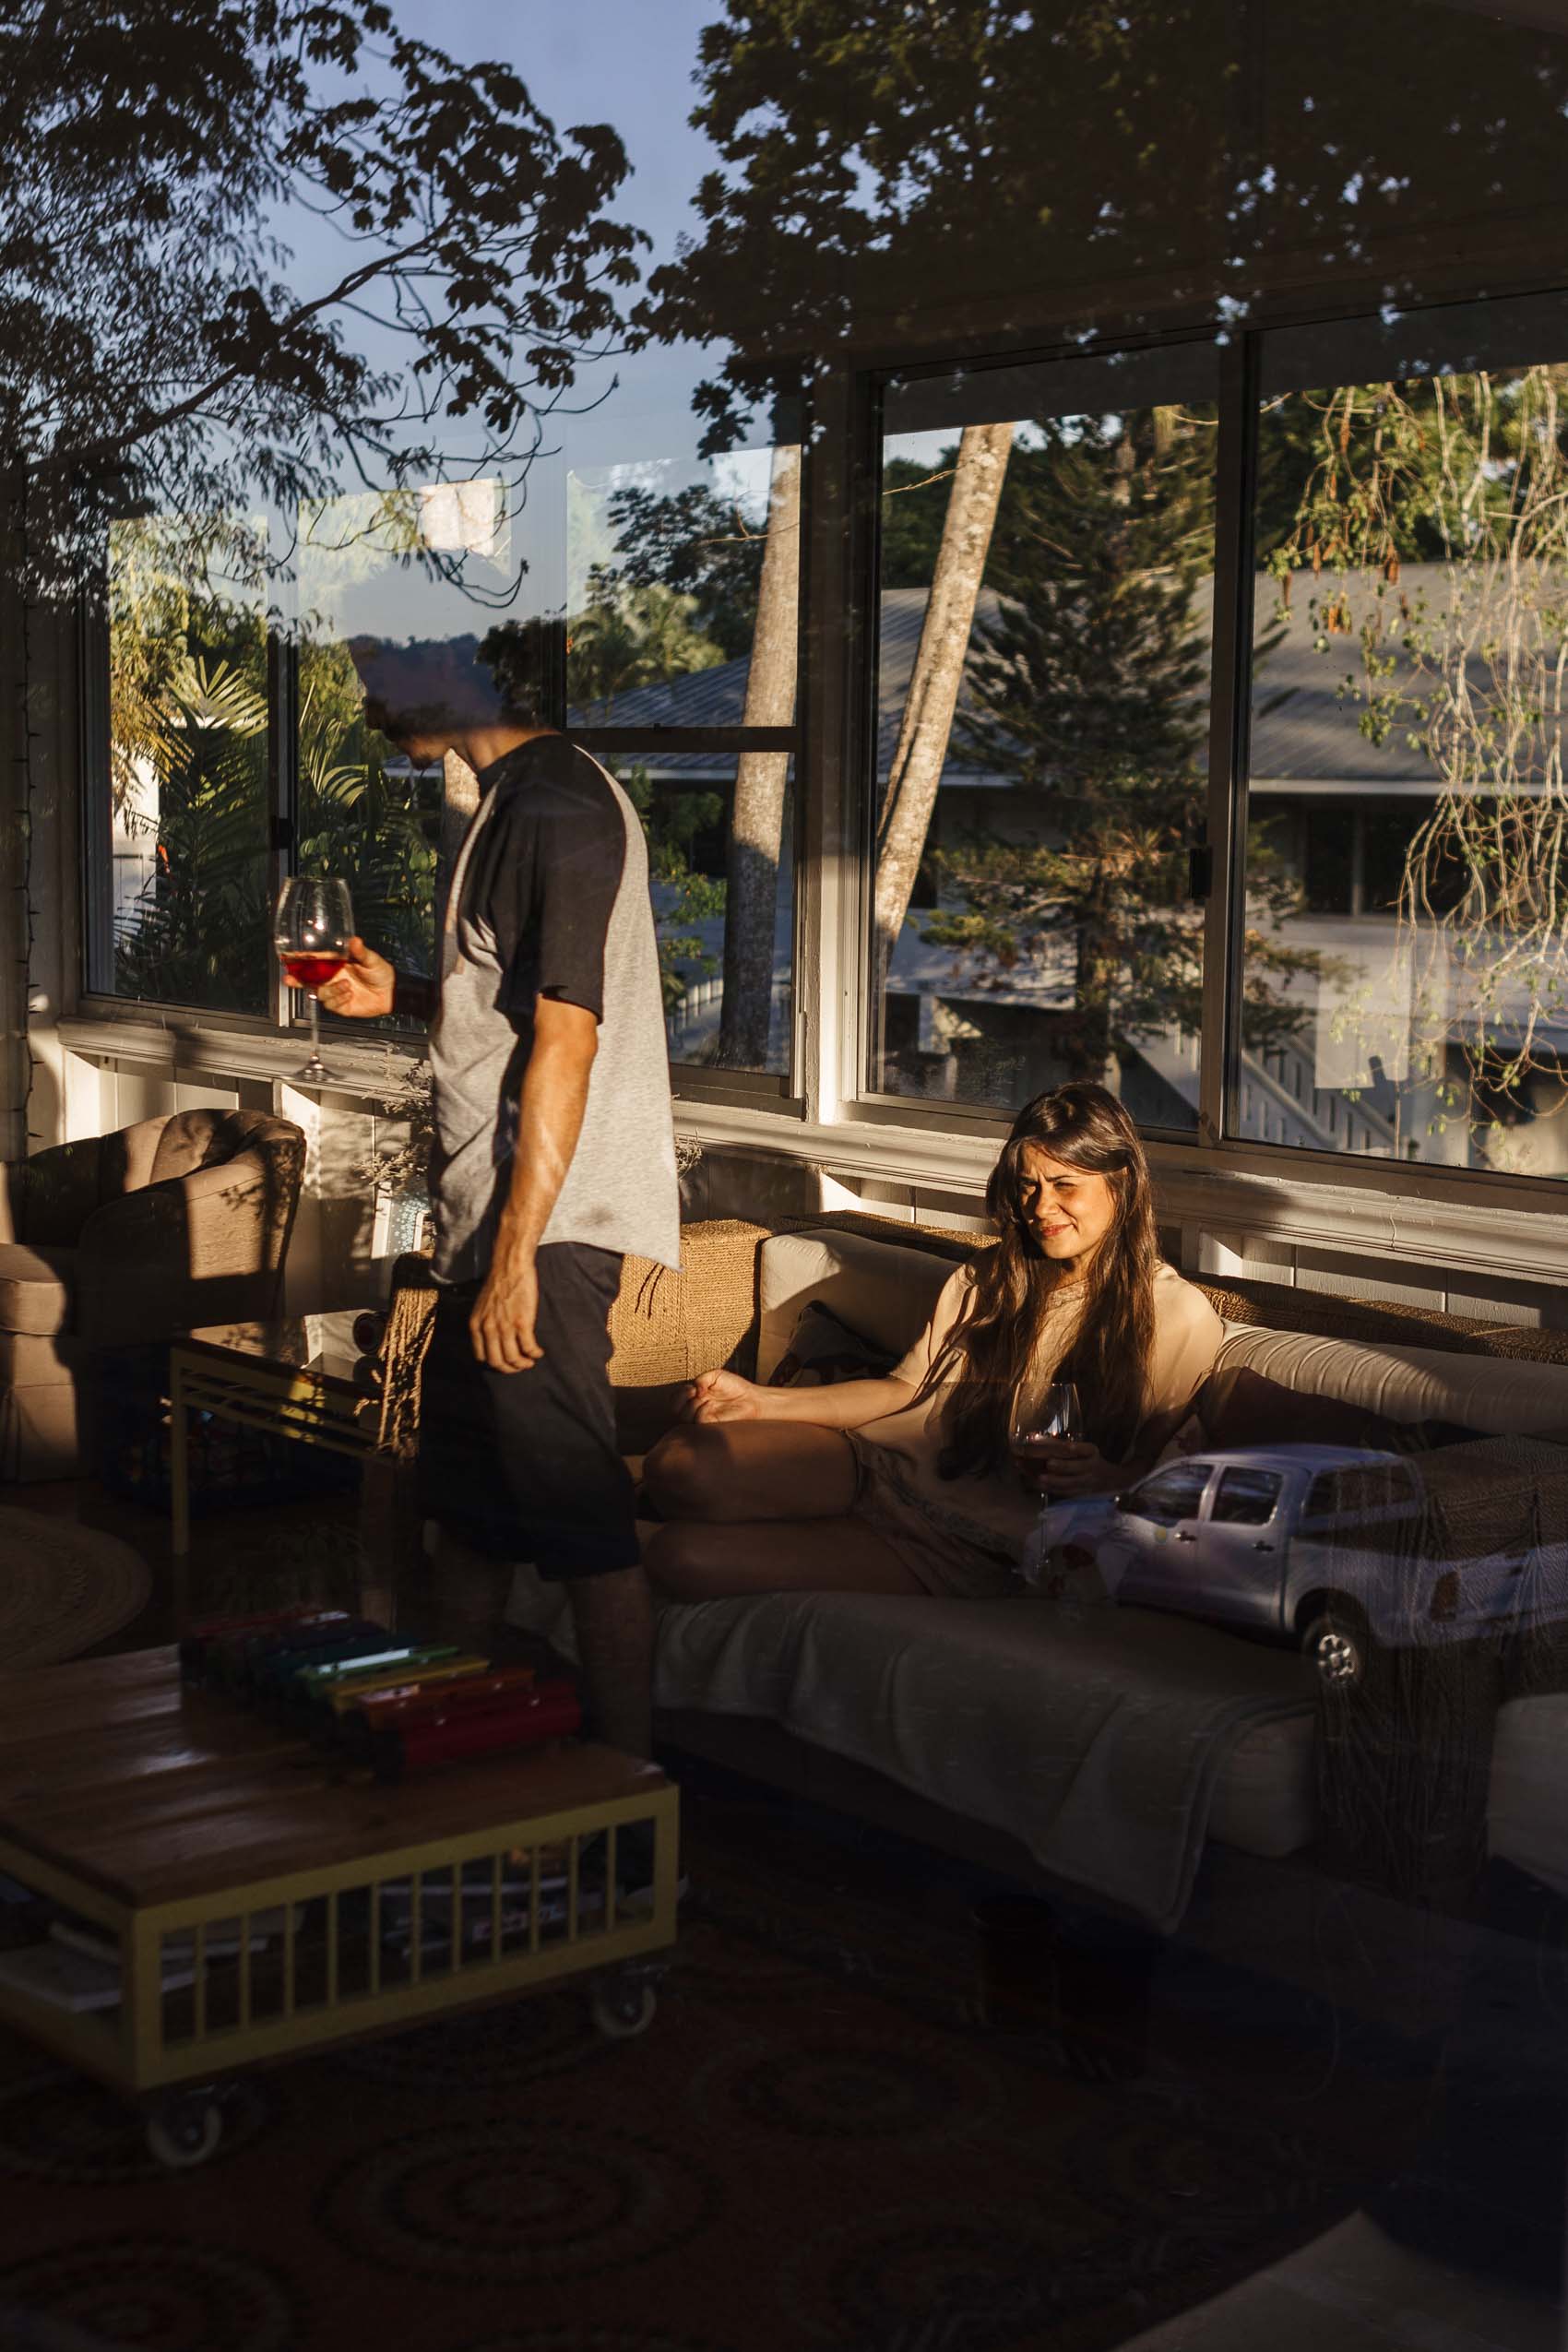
(555,1151)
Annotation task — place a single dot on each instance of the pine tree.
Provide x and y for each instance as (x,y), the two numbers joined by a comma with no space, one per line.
(1088,691)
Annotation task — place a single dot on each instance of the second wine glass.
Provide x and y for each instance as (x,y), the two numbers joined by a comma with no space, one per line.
(310,930)
(1040,1424)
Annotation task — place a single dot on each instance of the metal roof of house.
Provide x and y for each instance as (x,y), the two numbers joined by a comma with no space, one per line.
(1308,695)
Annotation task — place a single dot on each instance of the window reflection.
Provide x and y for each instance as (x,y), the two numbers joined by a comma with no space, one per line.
(1406,768)
(1042,721)
(188,740)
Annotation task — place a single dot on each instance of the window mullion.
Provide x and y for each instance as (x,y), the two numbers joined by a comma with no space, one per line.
(283,796)
(1229,727)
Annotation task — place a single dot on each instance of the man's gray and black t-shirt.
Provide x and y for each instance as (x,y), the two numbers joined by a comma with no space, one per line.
(550,897)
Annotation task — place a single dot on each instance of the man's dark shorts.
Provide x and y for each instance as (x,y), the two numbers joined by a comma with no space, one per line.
(525,1465)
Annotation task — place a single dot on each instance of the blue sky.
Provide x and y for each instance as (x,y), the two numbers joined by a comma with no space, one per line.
(628,63)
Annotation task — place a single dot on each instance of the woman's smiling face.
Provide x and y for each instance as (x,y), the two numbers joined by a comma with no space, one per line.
(1068,1210)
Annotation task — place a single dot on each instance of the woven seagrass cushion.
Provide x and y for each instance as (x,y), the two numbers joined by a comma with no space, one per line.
(670,1327)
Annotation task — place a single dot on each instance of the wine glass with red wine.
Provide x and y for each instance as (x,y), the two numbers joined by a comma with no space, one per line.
(1036,1429)
(310,930)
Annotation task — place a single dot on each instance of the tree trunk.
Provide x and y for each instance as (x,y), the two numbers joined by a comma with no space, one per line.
(927,723)
(756,816)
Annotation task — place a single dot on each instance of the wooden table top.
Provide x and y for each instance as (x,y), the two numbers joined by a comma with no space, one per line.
(113,1771)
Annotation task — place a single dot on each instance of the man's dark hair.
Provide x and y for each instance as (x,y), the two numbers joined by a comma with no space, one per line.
(526,661)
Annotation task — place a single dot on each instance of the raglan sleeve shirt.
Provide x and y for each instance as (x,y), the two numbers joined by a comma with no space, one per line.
(551,864)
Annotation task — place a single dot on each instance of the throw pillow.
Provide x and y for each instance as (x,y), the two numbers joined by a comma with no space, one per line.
(1242,1407)
(823,1351)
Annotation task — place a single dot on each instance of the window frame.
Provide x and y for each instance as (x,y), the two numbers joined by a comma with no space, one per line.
(1215,1147)
(777,1091)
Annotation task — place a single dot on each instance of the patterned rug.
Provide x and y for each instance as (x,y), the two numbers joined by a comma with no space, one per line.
(63,1587)
(815,2144)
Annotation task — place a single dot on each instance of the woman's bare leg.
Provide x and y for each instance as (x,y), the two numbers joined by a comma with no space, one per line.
(746,1471)
(700,1560)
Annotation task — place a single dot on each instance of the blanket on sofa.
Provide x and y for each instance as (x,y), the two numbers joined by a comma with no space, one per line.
(1096,1741)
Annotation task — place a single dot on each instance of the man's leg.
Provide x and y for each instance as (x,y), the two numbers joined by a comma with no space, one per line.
(612,1616)
(573,1504)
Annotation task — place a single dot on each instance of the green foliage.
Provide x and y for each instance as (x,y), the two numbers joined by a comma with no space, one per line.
(632,636)
(914,508)
(671,822)
(1469,472)
(379,828)
(1087,691)
(690,541)
(201,935)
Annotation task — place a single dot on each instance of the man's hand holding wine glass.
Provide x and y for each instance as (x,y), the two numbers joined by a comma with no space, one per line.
(362,990)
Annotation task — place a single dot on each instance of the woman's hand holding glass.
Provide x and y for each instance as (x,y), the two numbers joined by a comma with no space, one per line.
(1059,1469)
(1055,1461)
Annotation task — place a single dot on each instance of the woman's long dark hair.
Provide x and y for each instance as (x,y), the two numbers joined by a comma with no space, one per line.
(993,1346)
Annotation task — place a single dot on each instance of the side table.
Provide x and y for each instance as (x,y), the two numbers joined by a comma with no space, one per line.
(294,1378)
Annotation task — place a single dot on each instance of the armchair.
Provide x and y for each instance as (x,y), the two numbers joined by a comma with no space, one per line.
(121,1240)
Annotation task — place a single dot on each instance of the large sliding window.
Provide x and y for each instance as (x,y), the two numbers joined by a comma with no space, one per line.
(236,744)
(1042,718)
(683,601)
(1407,844)
(1391,728)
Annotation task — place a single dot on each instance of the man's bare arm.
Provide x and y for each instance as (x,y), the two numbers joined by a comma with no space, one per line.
(550,1120)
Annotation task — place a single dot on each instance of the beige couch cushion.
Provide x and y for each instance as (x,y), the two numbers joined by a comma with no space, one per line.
(1109,1744)
(1502,1397)
(883,1292)
(35,1288)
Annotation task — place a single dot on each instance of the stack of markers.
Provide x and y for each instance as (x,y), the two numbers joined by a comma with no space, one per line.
(352,1687)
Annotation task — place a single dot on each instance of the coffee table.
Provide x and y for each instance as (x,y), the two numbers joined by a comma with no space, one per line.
(295,1378)
(255,1900)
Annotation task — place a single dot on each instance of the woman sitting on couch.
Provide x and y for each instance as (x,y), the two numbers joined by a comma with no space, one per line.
(907,1483)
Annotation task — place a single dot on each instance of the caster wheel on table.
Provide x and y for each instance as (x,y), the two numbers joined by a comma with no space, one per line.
(185,2132)
(624,2007)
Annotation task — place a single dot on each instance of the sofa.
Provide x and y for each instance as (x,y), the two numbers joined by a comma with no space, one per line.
(1096,1751)
(119,1242)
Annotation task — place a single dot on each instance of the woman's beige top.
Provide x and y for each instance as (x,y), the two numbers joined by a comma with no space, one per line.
(995,1510)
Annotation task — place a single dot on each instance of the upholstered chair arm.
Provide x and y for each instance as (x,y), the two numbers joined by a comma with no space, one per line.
(8,1221)
(193,1250)
(52,1194)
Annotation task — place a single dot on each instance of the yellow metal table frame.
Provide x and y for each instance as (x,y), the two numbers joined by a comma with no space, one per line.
(149,2043)
(311,1406)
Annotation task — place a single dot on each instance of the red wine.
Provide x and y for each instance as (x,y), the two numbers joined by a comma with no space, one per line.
(308,970)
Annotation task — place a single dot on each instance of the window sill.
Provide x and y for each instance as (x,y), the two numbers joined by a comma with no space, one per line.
(1515,1232)
(183,1047)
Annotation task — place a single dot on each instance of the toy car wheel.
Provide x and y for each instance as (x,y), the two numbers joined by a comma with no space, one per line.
(185,2133)
(1338,1644)
(624,2007)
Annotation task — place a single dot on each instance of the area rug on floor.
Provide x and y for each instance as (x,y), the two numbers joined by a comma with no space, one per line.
(802,2151)
(63,1588)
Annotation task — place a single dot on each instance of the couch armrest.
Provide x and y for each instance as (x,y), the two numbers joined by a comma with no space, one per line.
(7,1222)
(178,1254)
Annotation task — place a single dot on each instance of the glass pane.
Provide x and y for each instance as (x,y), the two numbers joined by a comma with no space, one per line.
(721,865)
(430,569)
(1047,553)
(188,764)
(1407,951)
(683,578)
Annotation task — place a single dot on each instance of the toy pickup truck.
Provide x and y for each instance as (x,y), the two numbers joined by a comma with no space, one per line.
(1333,1548)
